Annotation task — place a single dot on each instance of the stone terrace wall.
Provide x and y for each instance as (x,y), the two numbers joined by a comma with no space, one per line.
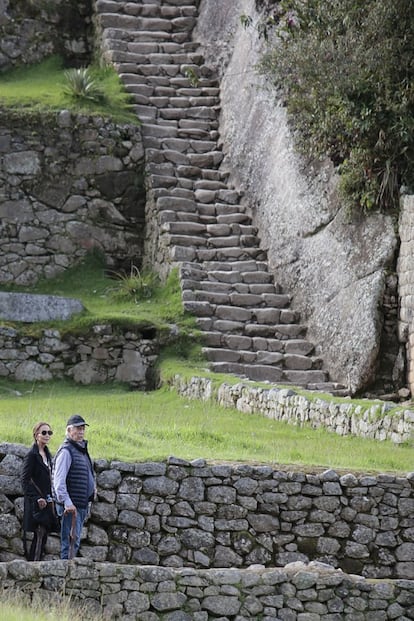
(379,421)
(68,183)
(106,354)
(406,281)
(298,592)
(181,514)
(31,31)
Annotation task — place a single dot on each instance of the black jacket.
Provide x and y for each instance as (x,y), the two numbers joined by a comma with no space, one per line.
(35,469)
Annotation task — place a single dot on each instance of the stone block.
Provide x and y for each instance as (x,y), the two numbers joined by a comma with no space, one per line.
(30,308)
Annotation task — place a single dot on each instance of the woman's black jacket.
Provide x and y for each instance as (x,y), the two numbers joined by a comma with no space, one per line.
(34,469)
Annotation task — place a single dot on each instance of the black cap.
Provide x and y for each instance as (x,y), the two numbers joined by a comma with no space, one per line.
(76,421)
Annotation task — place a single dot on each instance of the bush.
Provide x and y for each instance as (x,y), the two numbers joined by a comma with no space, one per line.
(81,85)
(345,69)
(134,285)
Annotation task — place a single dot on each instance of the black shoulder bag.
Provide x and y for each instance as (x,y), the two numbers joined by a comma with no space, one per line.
(47,516)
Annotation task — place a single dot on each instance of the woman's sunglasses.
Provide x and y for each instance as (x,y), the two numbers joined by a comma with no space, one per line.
(47,433)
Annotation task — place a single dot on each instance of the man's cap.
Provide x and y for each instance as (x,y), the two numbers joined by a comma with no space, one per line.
(76,421)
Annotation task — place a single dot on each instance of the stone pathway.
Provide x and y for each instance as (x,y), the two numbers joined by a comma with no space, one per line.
(198,221)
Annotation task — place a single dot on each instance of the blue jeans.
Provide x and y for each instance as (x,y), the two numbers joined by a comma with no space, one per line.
(66,525)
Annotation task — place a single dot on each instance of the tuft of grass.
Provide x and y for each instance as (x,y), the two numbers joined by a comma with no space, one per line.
(136,285)
(44,86)
(139,426)
(44,606)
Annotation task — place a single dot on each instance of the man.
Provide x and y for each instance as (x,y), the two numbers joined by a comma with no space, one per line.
(74,484)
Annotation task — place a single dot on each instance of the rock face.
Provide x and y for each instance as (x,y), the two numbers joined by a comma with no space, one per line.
(28,307)
(333,266)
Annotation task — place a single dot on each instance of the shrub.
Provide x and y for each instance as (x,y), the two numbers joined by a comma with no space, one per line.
(345,69)
(135,284)
(81,85)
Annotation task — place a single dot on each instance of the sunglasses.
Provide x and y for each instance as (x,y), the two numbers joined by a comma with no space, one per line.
(47,433)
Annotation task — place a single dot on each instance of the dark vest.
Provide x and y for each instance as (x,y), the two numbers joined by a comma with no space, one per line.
(80,471)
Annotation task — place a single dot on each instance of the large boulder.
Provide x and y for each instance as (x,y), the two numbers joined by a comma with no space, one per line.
(332,265)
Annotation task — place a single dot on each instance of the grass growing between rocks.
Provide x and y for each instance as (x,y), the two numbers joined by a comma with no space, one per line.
(46,606)
(42,87)
(137,426)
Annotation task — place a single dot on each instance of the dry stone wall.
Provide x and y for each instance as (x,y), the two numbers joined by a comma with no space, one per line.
(195,514)
(378,421)
(107,353)
(406,283)
(69,183)
(299,592)
(31,31)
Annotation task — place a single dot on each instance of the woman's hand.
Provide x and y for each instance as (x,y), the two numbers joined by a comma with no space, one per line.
(42,503)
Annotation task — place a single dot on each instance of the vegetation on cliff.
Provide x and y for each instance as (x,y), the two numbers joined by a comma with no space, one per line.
(345,70)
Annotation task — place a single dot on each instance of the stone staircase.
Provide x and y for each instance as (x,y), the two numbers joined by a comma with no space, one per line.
(198,221)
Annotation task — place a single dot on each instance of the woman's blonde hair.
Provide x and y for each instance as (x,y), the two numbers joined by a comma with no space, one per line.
(37,427)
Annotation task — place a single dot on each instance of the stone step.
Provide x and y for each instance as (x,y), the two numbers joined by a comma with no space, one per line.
(230,209)
(266,292)
(194,132)
(208,322)
(179,205)
(177,216)
(333,388)
(198,81)
(205,272)
(155,130)
(232,276)
(197,92)
(132,54)
(215,175)
(242,297)
(229,253)
(235,217)
(112,34)
(236,341)
(271,374)
(274,359)
(252,316)
(192,241)
(216,255)
(112,37)
(148,9)
(136,23)
(184,228)
(277,332)
(240,267)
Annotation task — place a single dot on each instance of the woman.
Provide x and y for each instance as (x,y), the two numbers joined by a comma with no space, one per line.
(37,487)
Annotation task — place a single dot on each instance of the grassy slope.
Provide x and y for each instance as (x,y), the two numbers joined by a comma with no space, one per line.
(137,426)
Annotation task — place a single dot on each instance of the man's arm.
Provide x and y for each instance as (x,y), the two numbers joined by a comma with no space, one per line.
(62,464)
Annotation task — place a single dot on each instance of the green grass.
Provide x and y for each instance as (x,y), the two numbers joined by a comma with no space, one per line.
(138,426)
(44,606)
(89,281)
(42,87)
